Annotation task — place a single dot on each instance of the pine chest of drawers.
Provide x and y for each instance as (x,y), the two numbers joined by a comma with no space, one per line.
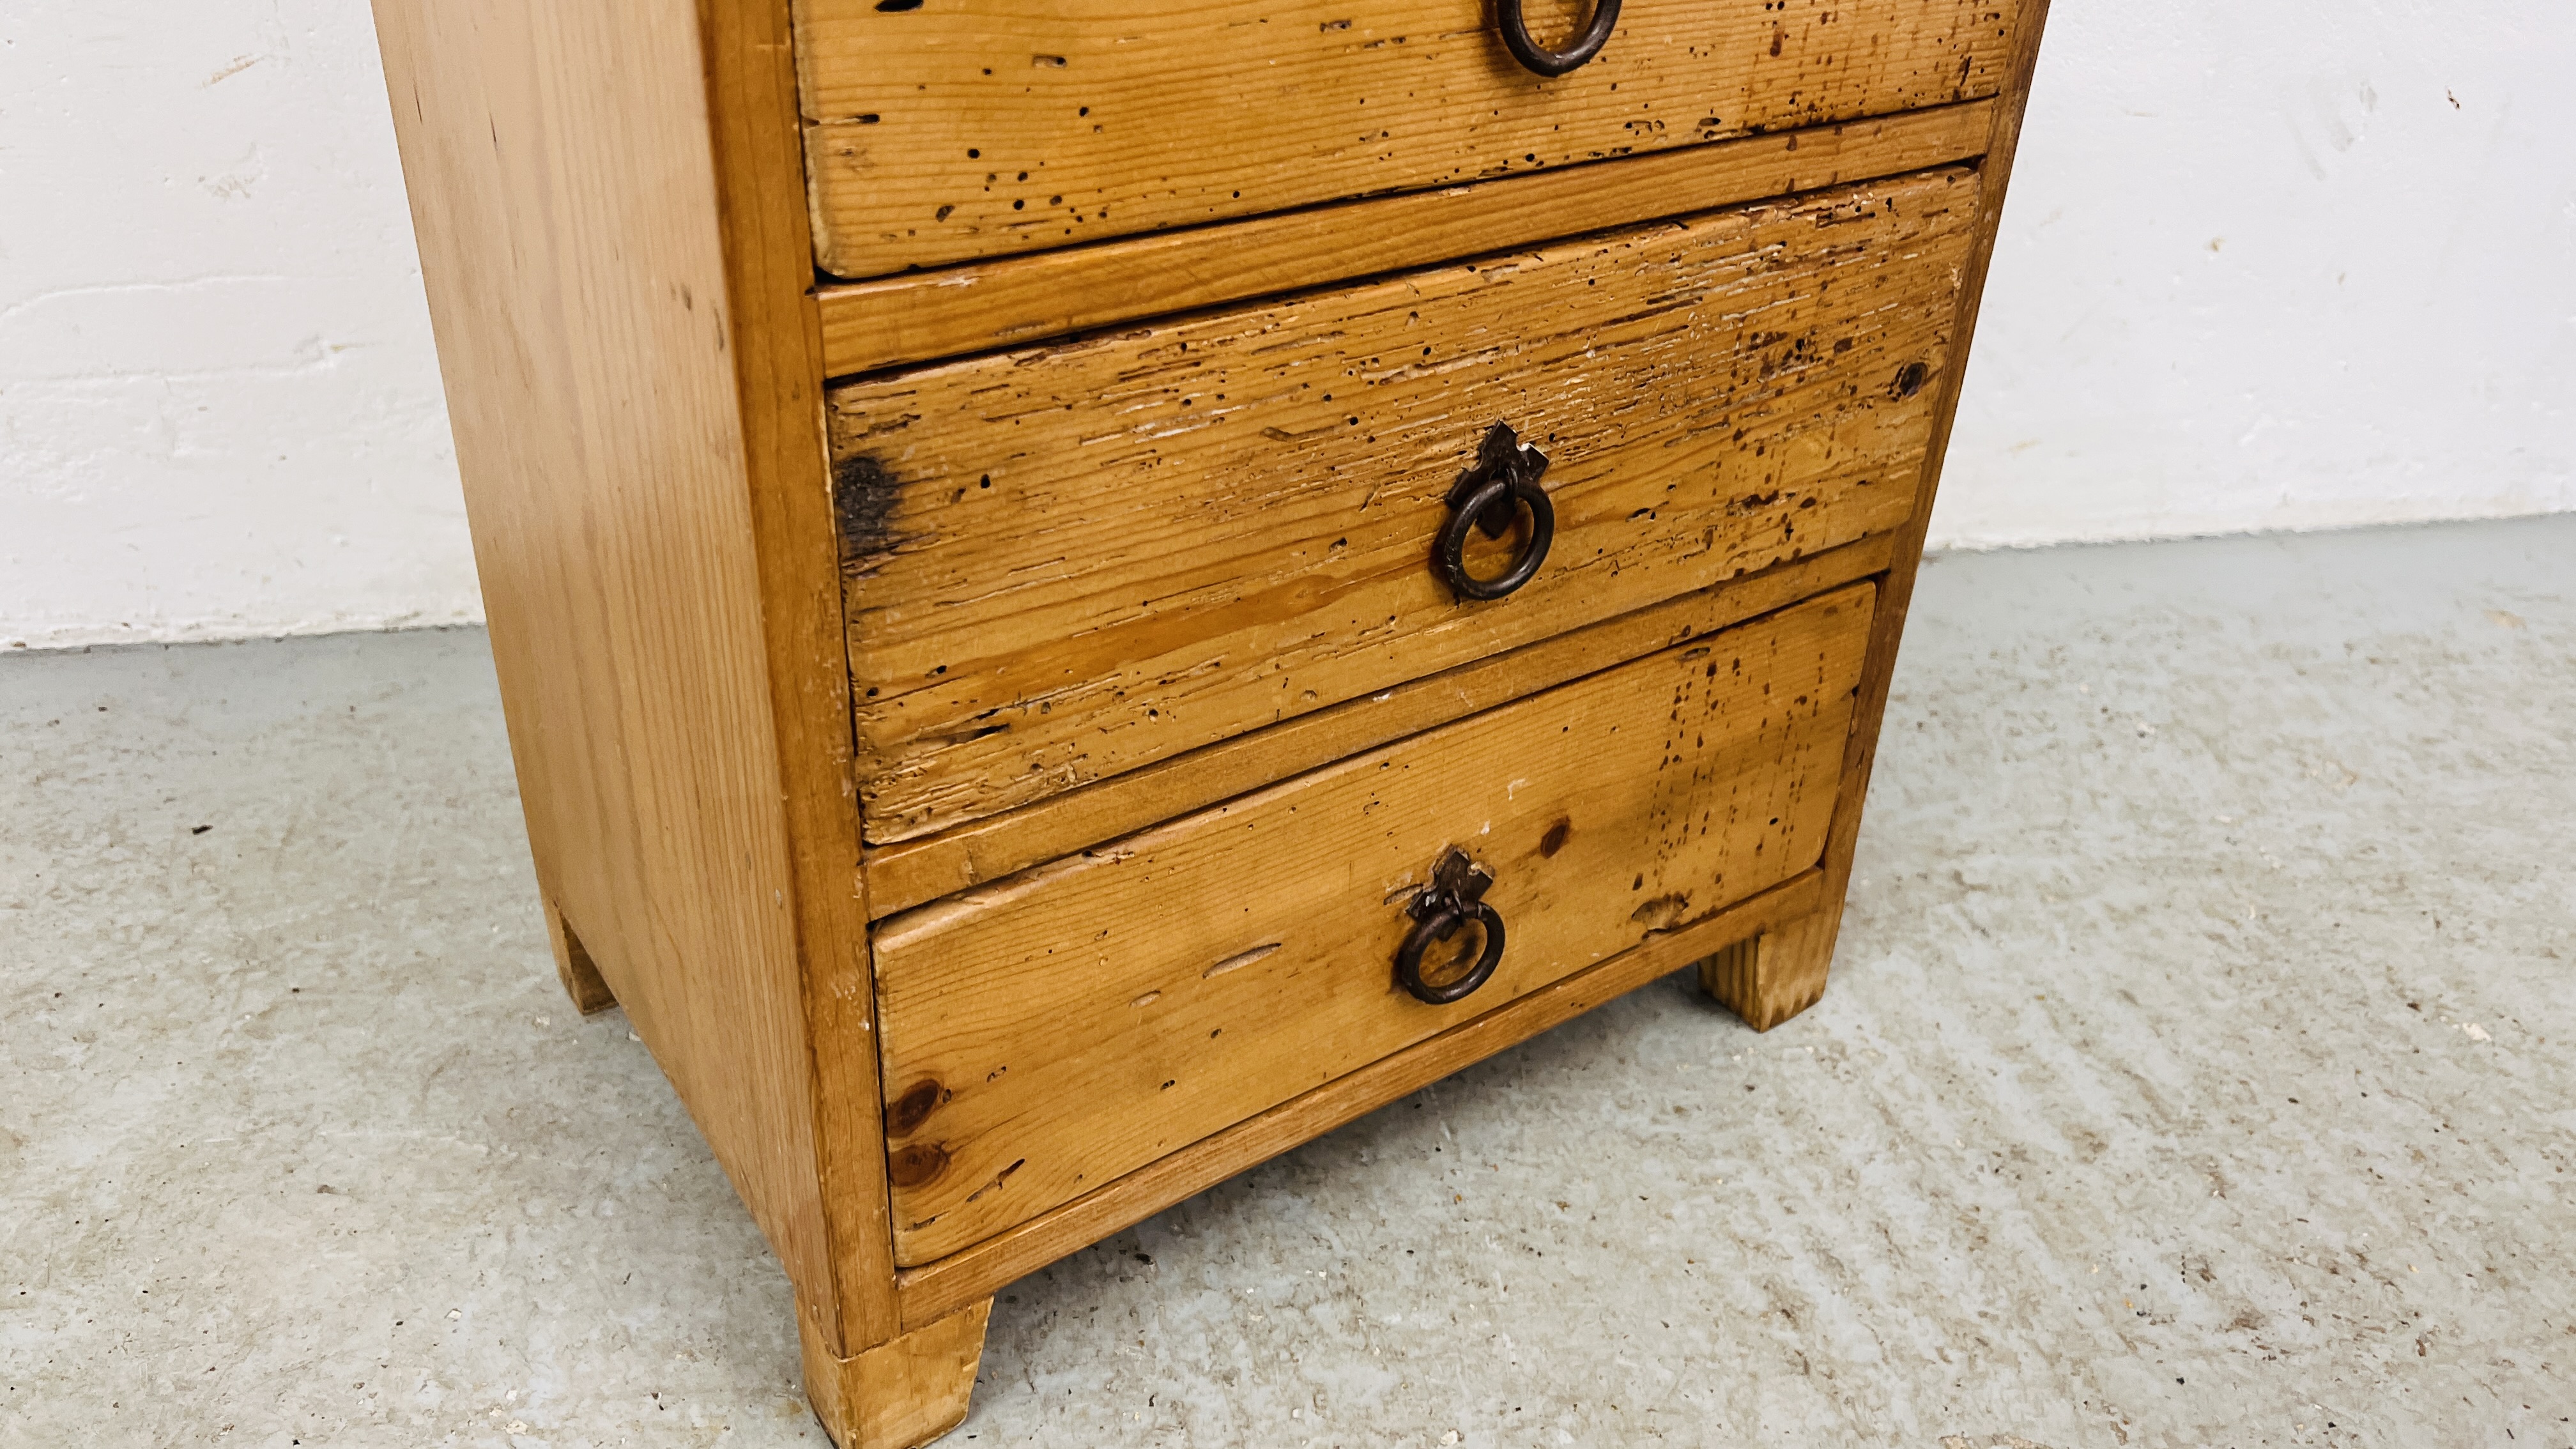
(1085,592)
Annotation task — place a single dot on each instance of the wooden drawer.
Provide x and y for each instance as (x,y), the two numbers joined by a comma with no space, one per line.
(1049,1033)
(1065,563)
(959,129)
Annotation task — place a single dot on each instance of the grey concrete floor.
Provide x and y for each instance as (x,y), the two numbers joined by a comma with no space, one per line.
(2196,1071)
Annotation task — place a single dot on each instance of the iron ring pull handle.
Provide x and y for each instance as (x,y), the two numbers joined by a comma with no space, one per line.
(1454,899)
(1540,60)
(1490,496)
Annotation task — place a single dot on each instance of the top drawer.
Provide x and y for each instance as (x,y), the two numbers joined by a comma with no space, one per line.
(946,130)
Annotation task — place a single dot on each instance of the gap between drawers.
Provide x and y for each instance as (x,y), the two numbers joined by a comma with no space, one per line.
(914,872)
(920,317)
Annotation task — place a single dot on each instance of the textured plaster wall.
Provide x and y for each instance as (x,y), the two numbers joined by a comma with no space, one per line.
(2299,265)
(2275,267)
(219,408)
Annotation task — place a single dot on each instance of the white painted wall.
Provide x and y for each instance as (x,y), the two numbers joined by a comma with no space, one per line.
(219,409)
(2297,265)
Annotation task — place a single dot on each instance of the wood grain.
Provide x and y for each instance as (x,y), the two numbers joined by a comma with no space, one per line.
(936,1289)
(902,1393)
(1014,301)
(1772,977)
(1060,1029)
(905,875)
(978,128)
(567,209)
(776,348)
(1067,563)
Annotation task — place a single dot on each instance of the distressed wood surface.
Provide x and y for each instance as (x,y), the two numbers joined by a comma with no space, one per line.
(902,1393)
(615,241)
(1775,975)
(906,875)
(937,1289)
(1014,301)
(1067,563)
(1053,1032)
(978,128)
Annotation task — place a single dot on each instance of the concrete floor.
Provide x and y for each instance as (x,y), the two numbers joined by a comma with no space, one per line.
(2197,1071)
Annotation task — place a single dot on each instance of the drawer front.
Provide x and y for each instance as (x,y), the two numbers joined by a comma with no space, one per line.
(1049,1033)
(1066,563)
(977,128)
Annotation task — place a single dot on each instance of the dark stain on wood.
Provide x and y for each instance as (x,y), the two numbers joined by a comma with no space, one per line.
(916,1165)
(905,1114)
(1554,841)
(864,497)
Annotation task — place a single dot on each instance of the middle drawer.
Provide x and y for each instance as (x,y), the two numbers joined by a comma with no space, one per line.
(1065,563)
(1044,1035)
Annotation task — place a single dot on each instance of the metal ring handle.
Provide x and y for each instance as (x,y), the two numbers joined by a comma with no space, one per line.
(1540,60)
(1462,520)
(1440,925)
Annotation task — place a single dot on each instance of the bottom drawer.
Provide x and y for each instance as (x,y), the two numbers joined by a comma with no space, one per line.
(1045,1034)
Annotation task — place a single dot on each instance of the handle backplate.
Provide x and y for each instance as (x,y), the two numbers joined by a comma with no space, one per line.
(1490,497)
(1455,898)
